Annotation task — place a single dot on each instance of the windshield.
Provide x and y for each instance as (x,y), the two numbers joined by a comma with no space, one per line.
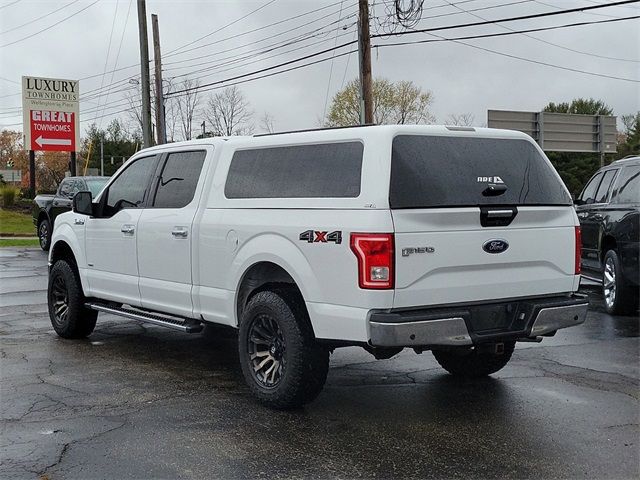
(95,185)
(433,171)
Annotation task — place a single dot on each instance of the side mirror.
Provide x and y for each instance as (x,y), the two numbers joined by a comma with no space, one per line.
(83,203)
(578,201)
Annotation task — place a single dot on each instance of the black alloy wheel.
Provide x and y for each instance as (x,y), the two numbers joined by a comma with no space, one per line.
(267,349)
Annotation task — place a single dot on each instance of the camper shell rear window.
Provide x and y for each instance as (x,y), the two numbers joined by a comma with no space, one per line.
(441,171)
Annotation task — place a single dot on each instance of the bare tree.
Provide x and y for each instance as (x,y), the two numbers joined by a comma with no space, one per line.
(171,115)
(229,113)
(267,123)
(461,120)
(187,104)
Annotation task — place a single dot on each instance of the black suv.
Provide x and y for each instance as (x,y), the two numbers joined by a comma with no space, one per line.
(609,213)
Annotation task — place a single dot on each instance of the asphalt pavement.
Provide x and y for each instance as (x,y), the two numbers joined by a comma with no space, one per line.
(137,401)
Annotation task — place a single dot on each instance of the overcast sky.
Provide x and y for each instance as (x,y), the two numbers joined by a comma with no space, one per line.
(463,79)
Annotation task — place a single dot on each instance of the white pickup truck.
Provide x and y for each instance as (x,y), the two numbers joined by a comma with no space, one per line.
(461,241)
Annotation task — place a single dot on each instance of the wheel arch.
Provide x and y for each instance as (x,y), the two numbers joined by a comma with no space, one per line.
(260,276)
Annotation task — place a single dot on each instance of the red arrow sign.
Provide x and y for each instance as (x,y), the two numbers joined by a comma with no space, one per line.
(52,130)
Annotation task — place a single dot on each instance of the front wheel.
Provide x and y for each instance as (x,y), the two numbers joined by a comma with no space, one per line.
(69,317)
(619,299)
(281,362)
(474,362)
(44,234)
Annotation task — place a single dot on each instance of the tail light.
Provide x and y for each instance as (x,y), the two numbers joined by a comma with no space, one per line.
(375,259)
(578,250)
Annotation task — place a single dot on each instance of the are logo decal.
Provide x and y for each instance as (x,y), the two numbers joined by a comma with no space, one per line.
(319,236)
(494,179)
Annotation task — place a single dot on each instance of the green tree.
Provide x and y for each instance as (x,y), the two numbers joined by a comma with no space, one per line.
(630,144)
(580,106)
(117,142)
(400,102)
(576,168)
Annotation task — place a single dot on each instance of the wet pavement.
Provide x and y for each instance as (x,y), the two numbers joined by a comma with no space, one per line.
(137,401)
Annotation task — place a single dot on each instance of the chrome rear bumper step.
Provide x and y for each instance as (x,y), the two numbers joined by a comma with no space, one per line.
(176,323)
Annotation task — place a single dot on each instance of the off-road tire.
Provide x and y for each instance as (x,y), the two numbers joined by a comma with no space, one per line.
(625,301)
(79,321)
(307,362)
(44,234)
(473,363)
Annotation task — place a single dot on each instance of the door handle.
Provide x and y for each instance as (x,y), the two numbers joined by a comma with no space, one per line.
(128,229)
(180,232)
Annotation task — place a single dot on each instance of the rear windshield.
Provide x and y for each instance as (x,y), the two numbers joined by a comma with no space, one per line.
(431,171)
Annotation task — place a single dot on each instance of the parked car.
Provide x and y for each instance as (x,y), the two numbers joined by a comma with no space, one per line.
(457,240)
(47,207)
(609,213)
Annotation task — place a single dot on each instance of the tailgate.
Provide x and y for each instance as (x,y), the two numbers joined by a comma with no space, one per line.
(440,257)
(477,219)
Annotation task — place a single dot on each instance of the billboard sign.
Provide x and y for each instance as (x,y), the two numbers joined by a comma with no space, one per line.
(560,132)
(50,109)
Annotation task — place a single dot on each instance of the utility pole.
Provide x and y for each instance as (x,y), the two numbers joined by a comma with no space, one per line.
(364,56)
(161,129)
(101,158)
(72,164)
(32,173)
(144,73)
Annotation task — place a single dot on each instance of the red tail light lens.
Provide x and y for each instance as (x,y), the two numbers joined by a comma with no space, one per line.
(375,259)
(578,249)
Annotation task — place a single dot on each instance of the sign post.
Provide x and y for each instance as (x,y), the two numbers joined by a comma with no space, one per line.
(50,114)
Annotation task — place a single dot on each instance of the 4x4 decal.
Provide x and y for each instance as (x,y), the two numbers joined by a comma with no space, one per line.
(316,236)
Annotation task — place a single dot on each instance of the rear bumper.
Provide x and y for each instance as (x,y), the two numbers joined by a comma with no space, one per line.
(477,323)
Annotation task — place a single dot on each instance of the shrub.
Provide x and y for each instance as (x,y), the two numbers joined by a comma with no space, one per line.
(9,194)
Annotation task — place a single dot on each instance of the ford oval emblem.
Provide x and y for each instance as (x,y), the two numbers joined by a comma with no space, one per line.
(495,245)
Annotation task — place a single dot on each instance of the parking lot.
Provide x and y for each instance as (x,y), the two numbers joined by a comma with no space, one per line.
(139,401)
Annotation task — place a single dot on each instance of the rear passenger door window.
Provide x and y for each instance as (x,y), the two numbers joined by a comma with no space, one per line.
(330,170)
(178,179)
(628,186)
(603,190)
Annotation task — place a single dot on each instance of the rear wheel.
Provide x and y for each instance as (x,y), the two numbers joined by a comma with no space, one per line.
(282,363)
(69,317)
(44,234)
(619,299)
(474,362)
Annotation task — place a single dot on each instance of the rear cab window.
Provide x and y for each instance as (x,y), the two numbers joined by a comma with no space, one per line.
(442,171)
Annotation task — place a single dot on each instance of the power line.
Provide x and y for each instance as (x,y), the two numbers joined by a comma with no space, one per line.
(425,30)
(50,26)
(222,28)
(9,4)
(39,18)
(510,19)
(326,96)
(546,41)
(115,64)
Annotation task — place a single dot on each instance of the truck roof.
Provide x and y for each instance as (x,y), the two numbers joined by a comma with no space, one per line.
(343,133)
